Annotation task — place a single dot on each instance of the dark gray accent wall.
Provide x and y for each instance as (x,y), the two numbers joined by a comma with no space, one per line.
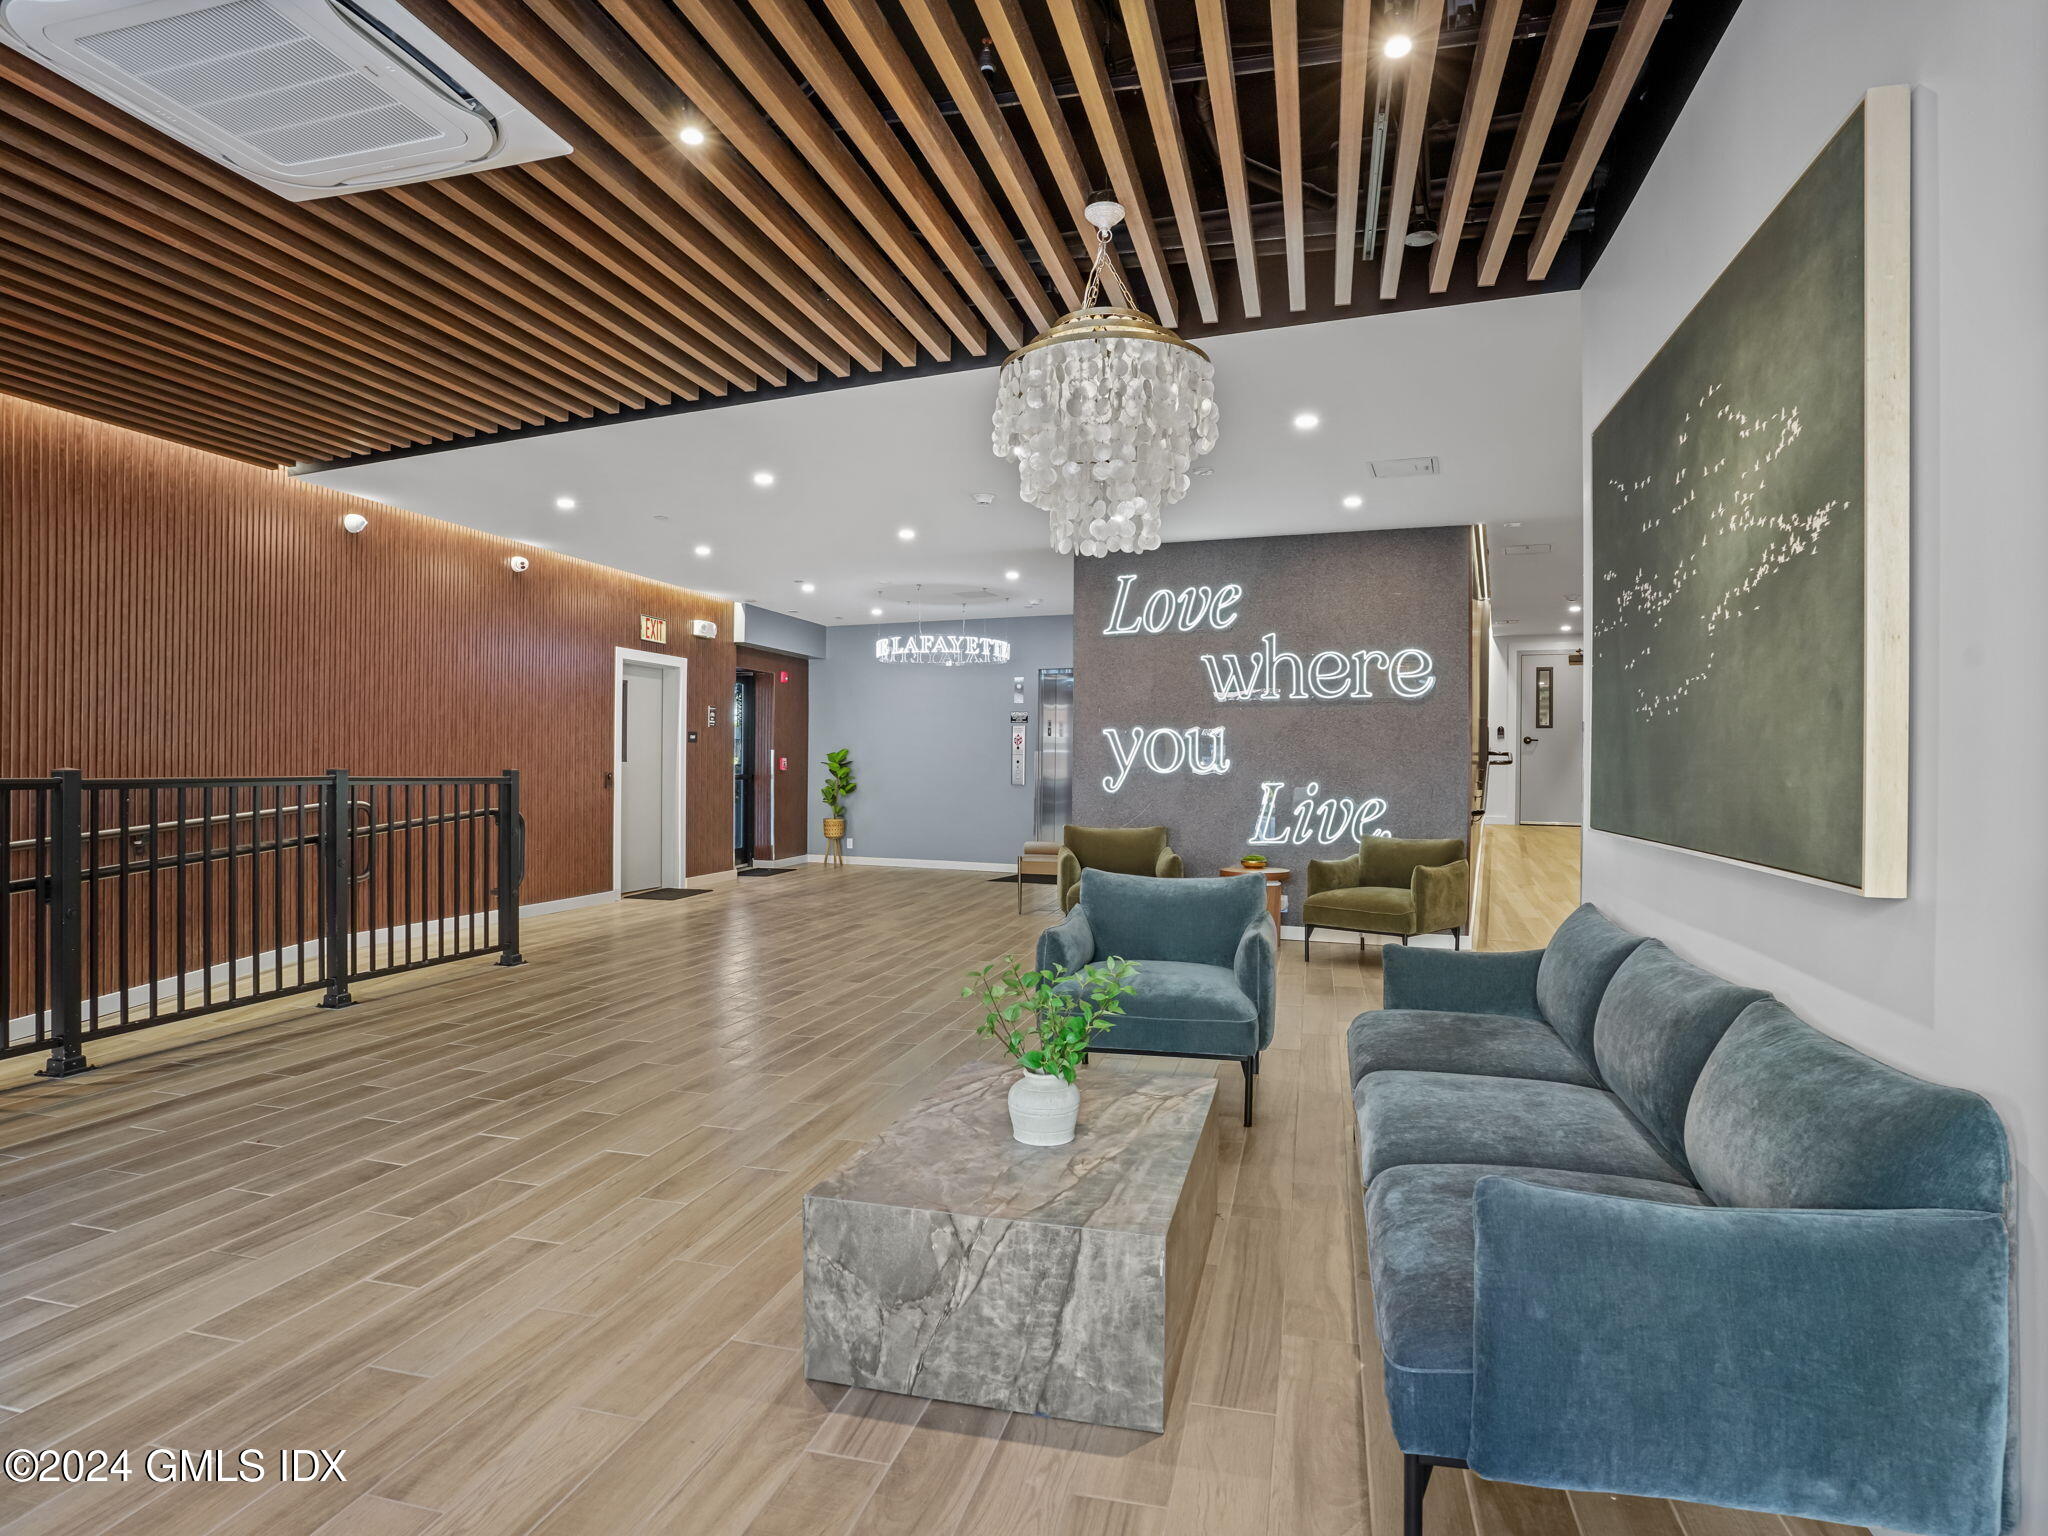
(931,745)
(1400,762)
(780,631)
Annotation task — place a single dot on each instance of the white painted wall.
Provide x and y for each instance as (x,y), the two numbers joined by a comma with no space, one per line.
(1952,981)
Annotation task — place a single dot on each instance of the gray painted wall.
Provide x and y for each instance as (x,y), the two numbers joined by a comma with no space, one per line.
(1392,590)
(1950,981)
(931,745)
(780,631)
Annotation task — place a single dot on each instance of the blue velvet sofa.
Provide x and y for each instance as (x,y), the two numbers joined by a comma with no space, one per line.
(1634,1229)
(1205,962)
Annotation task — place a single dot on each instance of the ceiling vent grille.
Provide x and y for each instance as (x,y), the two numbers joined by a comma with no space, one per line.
(1403,469)
(308,97)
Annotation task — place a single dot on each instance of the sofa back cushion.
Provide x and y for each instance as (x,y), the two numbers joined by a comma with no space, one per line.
(1392,861)
(1134,917)
(1579,961)
(1786,1116)
(1659,1020)
(1125,850)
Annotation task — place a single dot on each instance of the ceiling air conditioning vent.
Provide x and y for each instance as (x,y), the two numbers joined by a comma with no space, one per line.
(309,98)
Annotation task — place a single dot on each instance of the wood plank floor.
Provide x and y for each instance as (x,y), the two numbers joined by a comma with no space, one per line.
(1529,885)
(524,1244)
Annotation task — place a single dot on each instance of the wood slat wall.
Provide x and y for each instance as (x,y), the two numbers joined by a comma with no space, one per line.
(167,611)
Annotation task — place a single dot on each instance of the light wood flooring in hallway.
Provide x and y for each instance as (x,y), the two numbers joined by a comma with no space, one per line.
(524,1244)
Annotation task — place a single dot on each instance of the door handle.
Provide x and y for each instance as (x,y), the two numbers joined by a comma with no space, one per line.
(1528,741)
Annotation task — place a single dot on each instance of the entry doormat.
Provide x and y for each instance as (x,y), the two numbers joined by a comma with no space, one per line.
(760,874)
(1028,880)
(665,893)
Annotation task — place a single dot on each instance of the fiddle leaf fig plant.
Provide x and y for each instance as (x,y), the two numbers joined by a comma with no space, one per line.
(838,781)
(1048,1030)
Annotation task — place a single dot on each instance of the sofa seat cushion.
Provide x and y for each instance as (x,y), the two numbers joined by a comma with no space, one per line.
(1359,904)
(1419,1252)
(1482,1044)
(1452,1117)
(1183,1008)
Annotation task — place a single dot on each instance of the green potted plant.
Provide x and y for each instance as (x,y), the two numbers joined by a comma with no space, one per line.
(838,785)
(1047,1030)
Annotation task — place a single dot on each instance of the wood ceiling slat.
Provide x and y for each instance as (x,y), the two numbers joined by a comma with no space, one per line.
(889,65)
(1112,141)
(38,325)
(1418,74)
(627,215)
(1539,111)
(614,147)
(418,213)
(182,181)
(1287,118)
(784,98)
(1475,122)
(1353,73)
(1009,30)
(579,283)
(1221,75)
(712,89)
(156,209)
(820,283)
(123,403)
(946,45)
(201,294)
(1141,22)
(1625,56)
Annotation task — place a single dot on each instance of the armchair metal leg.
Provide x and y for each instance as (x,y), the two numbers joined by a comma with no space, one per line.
(1250,1064)
(1458,937)
(1306,930)
(1404,939)
(1414,1484)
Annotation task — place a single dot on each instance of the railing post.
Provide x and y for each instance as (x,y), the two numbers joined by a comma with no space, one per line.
(511,856)
(65,892)
(336,890)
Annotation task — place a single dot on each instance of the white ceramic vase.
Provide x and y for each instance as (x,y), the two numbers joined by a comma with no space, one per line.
(1043,1109)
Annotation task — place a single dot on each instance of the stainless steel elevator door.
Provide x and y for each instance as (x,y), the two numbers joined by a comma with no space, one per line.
(1055,798)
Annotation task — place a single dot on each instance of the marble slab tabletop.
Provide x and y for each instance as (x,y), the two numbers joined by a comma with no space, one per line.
(1123,1171)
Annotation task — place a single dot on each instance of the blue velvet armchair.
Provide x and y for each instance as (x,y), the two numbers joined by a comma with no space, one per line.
(1204,956)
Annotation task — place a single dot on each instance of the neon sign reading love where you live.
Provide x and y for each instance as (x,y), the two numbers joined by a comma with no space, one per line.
(1265,673)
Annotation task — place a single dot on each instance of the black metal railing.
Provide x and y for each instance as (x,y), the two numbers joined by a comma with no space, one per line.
(135,902)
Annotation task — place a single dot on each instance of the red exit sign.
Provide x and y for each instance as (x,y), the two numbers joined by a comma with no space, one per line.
(655,630)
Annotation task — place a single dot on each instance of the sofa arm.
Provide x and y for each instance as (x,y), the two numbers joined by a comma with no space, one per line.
(1169,866)
(1442,894)
(1068,944)
(1256,966)
(1851,1366)
(1334,874)
(1461,981)
(1070,879)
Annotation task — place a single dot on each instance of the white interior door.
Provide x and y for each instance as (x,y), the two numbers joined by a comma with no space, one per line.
(643,777)
(1553,734)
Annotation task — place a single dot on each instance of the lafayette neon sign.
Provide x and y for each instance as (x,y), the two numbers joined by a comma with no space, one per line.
(946,650)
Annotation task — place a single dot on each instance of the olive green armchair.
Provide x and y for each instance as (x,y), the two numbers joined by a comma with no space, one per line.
(1398,886)
(1120,850)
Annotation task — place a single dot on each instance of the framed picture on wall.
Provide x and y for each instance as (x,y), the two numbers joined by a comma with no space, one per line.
(1750,522)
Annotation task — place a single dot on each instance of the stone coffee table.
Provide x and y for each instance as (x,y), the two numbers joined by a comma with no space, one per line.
(950,1261)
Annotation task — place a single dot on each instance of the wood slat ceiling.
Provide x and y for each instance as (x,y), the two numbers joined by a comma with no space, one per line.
(886,186)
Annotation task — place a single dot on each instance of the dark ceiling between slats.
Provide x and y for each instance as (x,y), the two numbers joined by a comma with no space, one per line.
(886,186)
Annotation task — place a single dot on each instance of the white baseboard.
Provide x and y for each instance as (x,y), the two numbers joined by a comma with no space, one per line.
(566,904)
(851,858)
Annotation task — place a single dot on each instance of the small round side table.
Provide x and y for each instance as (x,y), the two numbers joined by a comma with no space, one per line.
(1276,879)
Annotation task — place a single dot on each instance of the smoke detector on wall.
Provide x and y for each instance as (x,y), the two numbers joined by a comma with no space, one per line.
(309,98)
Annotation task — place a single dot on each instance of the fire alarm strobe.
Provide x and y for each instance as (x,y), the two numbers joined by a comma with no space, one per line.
(704,629)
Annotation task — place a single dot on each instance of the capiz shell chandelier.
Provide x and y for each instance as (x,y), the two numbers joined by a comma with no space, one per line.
(1104,413)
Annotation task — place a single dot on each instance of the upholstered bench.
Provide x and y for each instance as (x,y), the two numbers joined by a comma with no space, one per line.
(1635,1229)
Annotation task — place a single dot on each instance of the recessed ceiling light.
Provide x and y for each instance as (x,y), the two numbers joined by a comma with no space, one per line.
(1399,46)
(1573,608)
(1564,629)
(876,612)
(565,503)
(1011,575)
(807,586)
(906,534)
(984,498)
(1353,502)
(703,550)
(691,135)
(1307,421)
(763,477)
(1511,525)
